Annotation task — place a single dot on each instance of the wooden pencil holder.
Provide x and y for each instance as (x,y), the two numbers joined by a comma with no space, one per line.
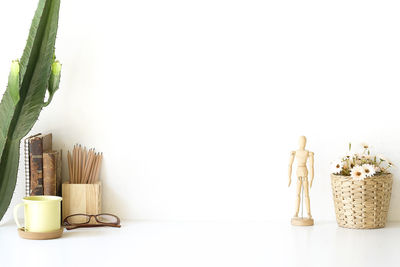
(81,198)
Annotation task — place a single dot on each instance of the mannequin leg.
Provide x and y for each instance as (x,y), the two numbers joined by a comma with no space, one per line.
(298,192)
(307,197)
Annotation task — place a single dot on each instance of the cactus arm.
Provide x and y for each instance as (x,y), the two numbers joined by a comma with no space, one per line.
(16,120)
(54,81)
(13,82)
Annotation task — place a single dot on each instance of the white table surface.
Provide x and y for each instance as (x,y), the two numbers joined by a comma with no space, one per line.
(191,244)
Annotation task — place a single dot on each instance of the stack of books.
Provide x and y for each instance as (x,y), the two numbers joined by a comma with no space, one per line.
(42,166)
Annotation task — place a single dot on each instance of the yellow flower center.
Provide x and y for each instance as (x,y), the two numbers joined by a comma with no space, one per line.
(358,173)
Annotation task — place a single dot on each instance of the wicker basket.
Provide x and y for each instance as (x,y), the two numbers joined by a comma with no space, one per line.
(362,204)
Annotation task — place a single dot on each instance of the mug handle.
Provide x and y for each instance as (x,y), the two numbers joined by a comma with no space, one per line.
(16,214)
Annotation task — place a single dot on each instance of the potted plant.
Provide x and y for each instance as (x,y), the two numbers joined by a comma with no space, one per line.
(361,187)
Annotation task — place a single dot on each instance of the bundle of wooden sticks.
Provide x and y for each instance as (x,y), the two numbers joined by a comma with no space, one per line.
(84,166)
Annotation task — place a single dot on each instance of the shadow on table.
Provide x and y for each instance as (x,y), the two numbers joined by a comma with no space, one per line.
(7,223)
(392,224)
(83,233)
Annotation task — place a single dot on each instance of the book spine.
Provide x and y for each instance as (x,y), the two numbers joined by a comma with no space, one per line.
(27,169)
(58,172)
(49,173)
(36,166)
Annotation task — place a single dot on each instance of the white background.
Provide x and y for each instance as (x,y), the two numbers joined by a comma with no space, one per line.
(197,104)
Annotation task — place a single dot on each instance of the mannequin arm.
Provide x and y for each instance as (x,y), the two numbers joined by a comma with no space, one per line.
(311,167)
(292,154)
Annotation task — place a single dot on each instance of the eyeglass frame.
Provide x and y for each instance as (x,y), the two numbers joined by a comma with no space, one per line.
(70,226)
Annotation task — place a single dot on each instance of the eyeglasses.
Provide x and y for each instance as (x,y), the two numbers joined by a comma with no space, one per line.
(82,220)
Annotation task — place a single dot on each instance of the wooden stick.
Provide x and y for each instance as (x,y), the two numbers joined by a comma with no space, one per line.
(78,155)
(73,164)
(80,165)
(69,167)
(85,169)
(91,169)
(88,167)
(72,167)
(96,163)
(76,165)
(94,169)
(84,163)
(98,168)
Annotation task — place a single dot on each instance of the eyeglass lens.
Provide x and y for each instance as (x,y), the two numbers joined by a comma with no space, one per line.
(78,219)
(106,218)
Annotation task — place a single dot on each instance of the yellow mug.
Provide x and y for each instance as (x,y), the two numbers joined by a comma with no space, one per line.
(42,213)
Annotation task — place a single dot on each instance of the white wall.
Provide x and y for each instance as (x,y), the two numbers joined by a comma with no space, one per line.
(197,104)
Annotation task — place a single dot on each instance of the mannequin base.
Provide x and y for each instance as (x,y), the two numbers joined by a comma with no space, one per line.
(302,221)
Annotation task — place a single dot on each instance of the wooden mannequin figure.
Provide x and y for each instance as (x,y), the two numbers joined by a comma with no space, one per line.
(302,156)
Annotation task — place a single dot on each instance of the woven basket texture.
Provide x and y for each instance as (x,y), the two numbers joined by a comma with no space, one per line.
(362,204)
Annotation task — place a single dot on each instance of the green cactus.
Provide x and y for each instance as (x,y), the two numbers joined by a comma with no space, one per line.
(29,79)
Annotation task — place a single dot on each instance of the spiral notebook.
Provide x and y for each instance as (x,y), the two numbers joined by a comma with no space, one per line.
(27,165)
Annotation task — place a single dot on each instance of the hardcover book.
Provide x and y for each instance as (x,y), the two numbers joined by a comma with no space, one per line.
(58,173)
(50,173)
(38,145)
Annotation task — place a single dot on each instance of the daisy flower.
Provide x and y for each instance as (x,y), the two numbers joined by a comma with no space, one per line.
(345,165)
(381,157)
(354,156)
(337,167)
(364,145)
(369,170)
(368,157)
(357,173)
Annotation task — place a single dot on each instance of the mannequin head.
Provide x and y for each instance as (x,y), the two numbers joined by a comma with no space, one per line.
(302,142)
